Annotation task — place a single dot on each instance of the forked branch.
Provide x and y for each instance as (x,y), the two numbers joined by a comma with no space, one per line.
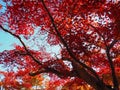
(42,70)
(65,44)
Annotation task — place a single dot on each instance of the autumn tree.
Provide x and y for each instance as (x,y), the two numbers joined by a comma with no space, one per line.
(86,31)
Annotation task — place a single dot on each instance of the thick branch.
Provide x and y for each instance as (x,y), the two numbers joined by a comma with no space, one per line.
(51,70)
(27,51)
(65,44)
(45,69)
(115,81)
(114,77)
(29,54)
(37,72)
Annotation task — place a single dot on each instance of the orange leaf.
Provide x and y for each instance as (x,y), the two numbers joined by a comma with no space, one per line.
(0,6)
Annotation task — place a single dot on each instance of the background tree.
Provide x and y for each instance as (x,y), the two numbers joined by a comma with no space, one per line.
(87,32)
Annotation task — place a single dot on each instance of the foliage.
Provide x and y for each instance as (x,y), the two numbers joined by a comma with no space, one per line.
(86,31)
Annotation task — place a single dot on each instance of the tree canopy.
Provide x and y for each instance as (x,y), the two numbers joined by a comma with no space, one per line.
(87,33)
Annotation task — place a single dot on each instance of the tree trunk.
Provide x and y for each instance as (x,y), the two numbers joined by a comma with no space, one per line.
(88,78)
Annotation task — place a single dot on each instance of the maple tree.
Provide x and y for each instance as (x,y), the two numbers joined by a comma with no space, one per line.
(87,32)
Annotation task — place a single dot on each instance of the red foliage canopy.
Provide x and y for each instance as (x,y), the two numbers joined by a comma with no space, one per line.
(86,31)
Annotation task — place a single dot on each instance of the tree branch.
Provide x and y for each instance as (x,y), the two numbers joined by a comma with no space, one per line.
(51,70)
(108,47)
(19,38)
(96,30)
(114,77)
(42,70)
(65,44)
(45,69)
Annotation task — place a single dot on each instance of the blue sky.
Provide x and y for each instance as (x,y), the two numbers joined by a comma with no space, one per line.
(6,41)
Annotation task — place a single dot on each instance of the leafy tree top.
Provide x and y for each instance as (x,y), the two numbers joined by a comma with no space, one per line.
(87,32)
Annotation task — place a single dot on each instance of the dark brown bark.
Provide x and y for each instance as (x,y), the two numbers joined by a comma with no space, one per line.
(82,73)
(65,44)
(113,74)
(79,67)
(114,78)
